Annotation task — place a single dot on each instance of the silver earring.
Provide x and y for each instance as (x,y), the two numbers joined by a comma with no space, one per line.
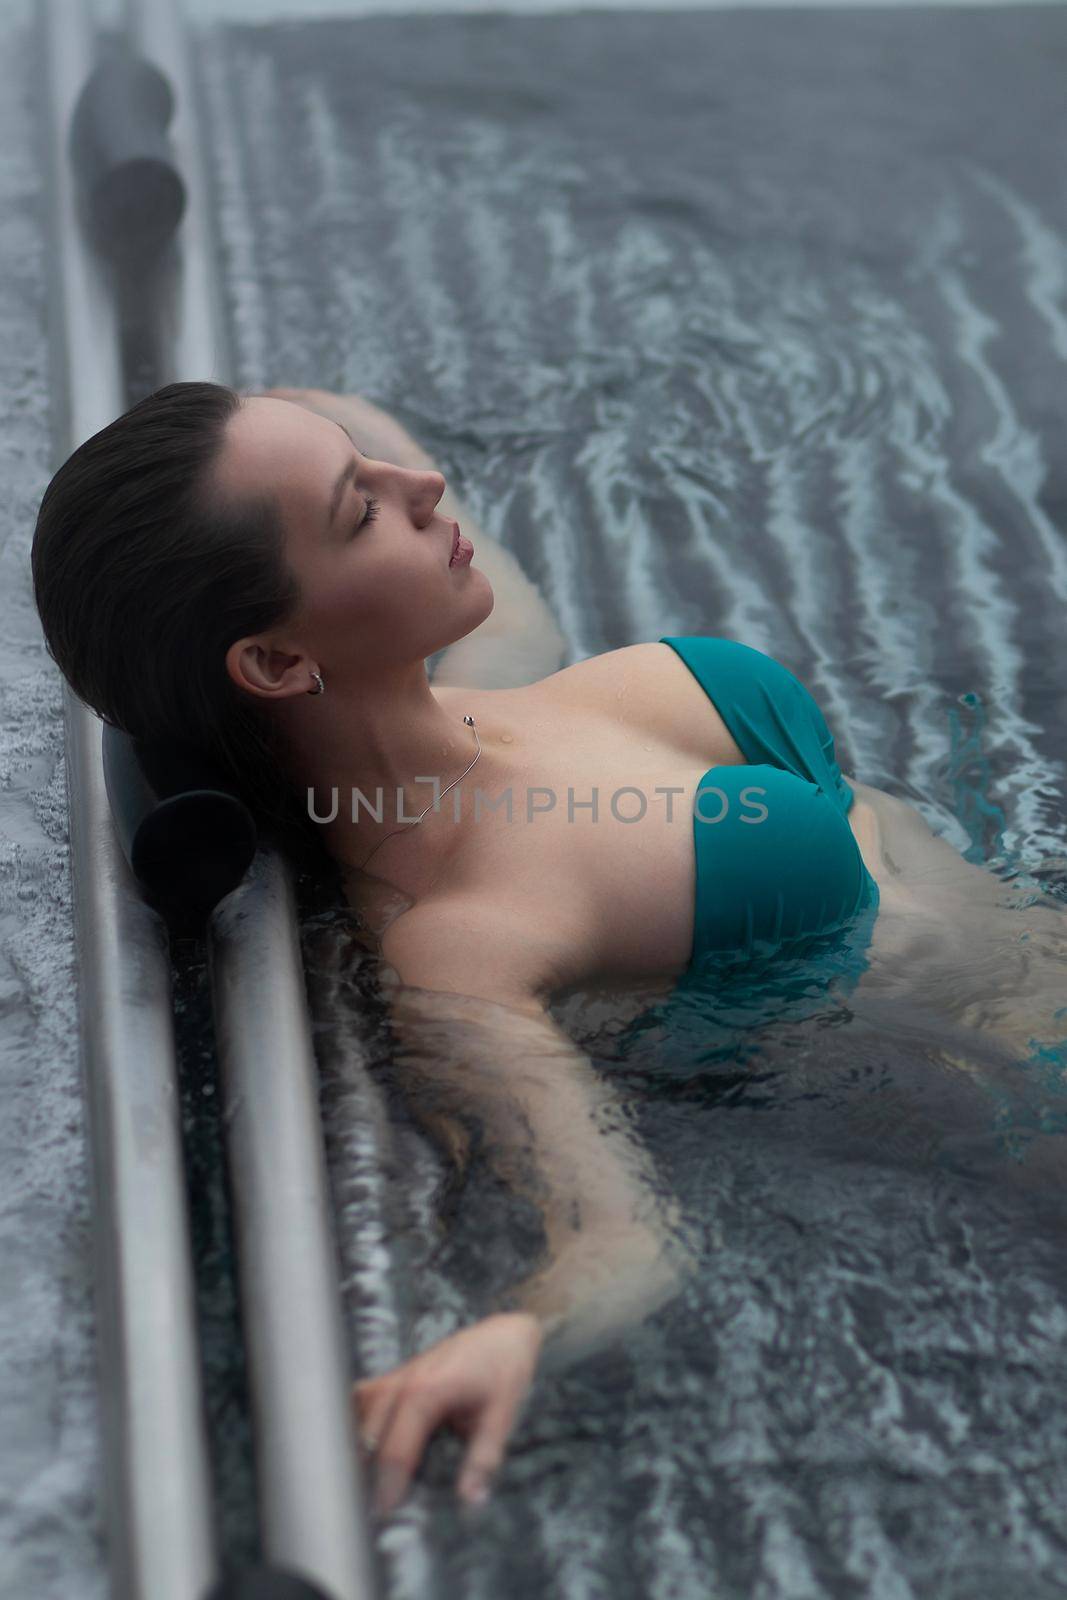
(319,685)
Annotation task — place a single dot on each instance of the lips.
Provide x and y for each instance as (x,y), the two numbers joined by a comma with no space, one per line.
(455,543)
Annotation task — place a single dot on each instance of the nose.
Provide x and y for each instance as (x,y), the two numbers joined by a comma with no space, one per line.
(427,489)
(421,488)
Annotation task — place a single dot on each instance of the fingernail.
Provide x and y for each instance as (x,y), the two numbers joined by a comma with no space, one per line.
(474,1492)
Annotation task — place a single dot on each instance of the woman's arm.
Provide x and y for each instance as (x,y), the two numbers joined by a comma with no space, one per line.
(478,1048)
(519,642)
(519,1087)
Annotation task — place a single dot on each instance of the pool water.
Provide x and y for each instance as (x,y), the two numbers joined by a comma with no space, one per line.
(729,323)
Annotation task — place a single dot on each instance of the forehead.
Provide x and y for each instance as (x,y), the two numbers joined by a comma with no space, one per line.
(276,447)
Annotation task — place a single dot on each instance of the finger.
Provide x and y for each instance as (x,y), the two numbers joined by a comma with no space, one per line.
(401,1444)
(375,1413)
(365,1397)
(486,1449)
(364,1391)
(375,1400)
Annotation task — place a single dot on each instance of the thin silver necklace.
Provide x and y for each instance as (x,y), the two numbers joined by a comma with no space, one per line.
(415,822)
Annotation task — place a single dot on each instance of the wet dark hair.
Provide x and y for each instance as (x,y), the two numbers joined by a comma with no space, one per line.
(144,574)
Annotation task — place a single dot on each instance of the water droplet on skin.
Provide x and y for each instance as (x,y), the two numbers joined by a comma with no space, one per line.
(505,738)
(646,747)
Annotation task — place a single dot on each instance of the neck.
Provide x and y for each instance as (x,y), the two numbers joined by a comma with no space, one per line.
(378,739)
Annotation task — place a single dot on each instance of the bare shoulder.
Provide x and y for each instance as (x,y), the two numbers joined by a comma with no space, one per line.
(634,673)
(469,945)
(614,682)
(648,690)
(609,681)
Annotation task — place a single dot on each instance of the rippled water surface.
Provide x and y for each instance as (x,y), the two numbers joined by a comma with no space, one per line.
(724,323)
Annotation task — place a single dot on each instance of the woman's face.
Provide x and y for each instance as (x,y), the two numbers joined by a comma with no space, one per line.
(363,540)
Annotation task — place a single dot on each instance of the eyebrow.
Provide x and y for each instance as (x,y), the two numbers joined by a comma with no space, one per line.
(347,474)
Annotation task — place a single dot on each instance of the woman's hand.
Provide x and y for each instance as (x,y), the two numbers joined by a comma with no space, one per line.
(476,1380)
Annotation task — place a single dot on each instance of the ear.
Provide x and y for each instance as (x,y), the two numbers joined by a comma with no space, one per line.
(272,674)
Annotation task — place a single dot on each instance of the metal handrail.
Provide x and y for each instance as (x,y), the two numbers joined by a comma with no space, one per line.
(312,1507)
(161,1538)
(313,1511)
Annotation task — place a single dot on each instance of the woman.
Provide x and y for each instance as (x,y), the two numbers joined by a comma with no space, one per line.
(266,576)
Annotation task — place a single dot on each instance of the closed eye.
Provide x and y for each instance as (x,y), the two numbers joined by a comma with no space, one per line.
(373,507)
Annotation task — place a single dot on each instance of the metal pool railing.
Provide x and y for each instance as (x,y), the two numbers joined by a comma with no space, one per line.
(108,129)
